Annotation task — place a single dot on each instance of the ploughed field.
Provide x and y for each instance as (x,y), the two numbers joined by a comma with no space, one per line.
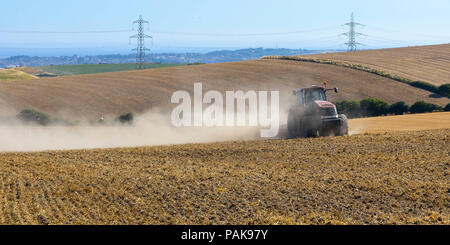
(115,93)
(384,178)
(424,63)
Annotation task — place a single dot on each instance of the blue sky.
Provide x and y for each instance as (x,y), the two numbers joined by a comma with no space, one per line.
(389,23)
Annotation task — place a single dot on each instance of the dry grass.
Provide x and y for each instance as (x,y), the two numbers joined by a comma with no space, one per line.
(136,91)
(390,178)
(424,63)
(14,74)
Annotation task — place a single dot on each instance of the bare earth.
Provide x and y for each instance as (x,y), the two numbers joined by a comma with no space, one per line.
(424,63)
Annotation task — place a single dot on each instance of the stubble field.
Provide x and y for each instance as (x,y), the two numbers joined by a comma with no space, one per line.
(424,63)
(412,122)
(388,178)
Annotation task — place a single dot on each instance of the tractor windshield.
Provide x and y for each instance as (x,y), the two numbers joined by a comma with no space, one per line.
(312,95)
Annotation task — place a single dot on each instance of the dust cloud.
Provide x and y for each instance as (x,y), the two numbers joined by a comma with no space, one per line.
(355,130)
(357,126)
(149,129)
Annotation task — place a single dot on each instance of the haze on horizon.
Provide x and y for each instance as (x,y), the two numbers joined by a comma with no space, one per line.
(49,27)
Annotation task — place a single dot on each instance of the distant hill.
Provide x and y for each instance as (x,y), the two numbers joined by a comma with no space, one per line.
(66,70)
(211,57)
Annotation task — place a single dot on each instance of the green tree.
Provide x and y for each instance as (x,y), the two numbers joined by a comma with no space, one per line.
(447,107)
(426,86)
(32,116)
(422,107)
(374,107)
(350,108)
(444,90)
(399,108)
(126,118)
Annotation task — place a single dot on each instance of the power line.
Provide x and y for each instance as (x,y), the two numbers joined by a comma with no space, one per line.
(375,28)
(172,32)
(406,33)
(390,41)
(140,36)
(62,32)
(352,44)
(243,34)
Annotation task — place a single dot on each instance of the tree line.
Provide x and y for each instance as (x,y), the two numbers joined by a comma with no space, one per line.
(371,107)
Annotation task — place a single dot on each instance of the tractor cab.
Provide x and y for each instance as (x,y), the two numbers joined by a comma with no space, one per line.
(307,96)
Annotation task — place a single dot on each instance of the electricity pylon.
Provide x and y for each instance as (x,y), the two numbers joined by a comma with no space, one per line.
(140,36)
(352,44)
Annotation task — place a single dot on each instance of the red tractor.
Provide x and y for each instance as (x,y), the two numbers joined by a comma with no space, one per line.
(314,115)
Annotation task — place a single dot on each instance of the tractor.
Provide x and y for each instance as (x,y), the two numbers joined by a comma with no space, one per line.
(314,115)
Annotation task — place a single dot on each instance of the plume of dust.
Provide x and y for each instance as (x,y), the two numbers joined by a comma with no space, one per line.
(353,131)
(357,126)
(150,128)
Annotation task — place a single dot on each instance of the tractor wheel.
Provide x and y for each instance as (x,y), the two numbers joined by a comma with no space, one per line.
(343,129)
(312,123)
(295,127)
(292,125)
(313,133)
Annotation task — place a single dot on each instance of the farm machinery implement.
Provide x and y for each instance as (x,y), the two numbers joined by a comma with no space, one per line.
(314,115)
